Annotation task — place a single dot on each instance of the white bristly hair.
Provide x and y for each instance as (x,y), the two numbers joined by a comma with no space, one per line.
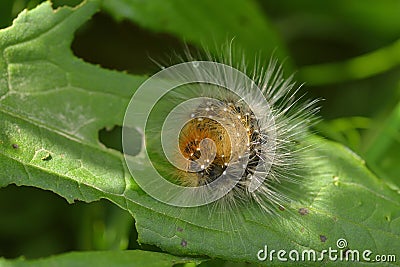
(286,119)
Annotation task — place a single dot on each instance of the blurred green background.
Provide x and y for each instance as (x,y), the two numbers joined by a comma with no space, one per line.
(346,52)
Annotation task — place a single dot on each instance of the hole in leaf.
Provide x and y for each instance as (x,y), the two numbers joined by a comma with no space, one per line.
(112,138)
(59,3)
(123,45)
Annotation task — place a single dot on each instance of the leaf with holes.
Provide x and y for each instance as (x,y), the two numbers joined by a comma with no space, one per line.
(203,24)
(52,105)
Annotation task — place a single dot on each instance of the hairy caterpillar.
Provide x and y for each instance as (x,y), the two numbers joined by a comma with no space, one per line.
(212,134)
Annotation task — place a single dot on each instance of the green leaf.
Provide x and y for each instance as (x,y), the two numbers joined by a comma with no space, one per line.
(134,258)
(205,23)
(384,150)
(360,67)
(53,104)
(345,130)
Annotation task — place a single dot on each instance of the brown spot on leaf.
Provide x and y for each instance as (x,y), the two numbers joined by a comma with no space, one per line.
(179,229)
(15,146)
(183,243)
(323,238)
(303,211)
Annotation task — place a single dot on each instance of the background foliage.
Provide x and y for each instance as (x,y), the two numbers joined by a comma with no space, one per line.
(346,52)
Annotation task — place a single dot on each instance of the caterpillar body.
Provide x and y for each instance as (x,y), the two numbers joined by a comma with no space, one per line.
(227,138)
